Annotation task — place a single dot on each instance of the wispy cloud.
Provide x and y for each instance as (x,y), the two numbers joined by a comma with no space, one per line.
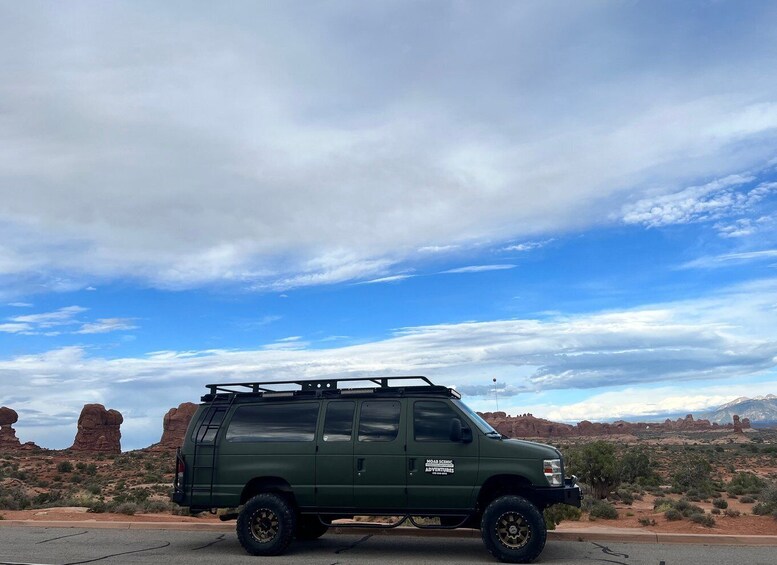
(61,317)
(61,321)
(478,269)
(106,325)
(527,245)
(728,258)
(391,278)
(715,200)
(20,304)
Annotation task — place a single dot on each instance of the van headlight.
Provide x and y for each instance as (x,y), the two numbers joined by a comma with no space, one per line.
(553,474)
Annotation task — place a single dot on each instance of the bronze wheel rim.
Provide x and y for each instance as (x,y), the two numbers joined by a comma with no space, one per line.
(264,525)
(512,530)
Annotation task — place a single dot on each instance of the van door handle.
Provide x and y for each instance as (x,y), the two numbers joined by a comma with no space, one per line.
(411,464)
(360,464)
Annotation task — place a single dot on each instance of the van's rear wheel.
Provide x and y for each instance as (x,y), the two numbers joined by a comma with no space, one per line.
(513,530)
(266,525)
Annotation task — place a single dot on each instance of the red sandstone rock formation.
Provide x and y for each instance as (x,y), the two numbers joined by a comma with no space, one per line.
(8,437)
(737,425)
(174,426)
(526,425)
(98,430)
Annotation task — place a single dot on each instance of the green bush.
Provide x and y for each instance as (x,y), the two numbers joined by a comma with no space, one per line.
(557,513)
(720,503)
(128,508)
(596,465)
(747,499)
(731,513)
(715,511)
(637,467)
(603,509)
(692,472)
(745,483)
(646,522)
(767,501)
(65,467)
(672,515)
(703,519)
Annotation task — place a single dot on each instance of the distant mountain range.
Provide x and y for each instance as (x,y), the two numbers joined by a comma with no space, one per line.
(761,410)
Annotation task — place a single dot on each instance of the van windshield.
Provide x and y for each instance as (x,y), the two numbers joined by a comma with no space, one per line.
(482,425)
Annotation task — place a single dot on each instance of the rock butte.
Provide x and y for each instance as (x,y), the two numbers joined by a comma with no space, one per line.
(98,430)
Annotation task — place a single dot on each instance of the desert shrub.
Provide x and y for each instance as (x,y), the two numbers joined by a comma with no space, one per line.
(637,467)
(731,513)
(767,501)
(662,504)
(625,496)
(692,472)
(720,503)
(14,498)
(603,509)
(673,515)
(704,519)
(715,511)
(745,483)
(64,467)
(91,469)
(686,508)
(158,506)
(128,508)
(554,514)
(747,499)
(646,522)
(597,466)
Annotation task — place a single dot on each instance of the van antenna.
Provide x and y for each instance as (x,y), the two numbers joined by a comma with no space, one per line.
(496,396)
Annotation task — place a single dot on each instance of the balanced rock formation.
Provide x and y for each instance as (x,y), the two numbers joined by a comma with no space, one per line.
(8,437)
(98,430)
(174,426)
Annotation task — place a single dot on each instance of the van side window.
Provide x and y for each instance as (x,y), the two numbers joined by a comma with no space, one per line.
(432,421)
(338,425)
(274,422)
(209,425)
(379,421)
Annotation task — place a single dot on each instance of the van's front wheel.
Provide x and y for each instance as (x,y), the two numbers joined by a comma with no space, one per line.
(513,530)
(266,525)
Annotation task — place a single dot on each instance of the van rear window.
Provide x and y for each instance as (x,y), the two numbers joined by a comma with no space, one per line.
(274,422)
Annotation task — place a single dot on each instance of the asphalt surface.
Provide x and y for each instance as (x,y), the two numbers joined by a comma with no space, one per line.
(76,546)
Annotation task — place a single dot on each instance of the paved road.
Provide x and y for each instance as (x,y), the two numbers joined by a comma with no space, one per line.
(71,546)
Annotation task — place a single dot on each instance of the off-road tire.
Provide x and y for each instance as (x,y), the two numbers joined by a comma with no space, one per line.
(266,524)
(310,527)
(513,530)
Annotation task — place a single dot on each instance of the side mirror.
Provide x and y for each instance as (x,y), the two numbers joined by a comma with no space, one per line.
(459,434)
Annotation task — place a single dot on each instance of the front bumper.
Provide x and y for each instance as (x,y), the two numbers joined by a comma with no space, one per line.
(570,494)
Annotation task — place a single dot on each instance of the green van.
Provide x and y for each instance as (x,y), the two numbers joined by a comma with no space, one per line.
(295,456)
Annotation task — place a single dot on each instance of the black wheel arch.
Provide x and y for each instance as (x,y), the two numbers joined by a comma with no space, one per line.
(276,485)
(505,484)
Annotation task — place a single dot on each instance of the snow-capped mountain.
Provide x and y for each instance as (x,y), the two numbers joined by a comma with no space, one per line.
(761,410)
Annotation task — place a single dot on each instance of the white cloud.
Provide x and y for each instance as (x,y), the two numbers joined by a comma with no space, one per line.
(61,317)
(106,325)
(728,258)
(20,304)
(527,245)
(255,143)
(390,278)
(717,199)
(479,269)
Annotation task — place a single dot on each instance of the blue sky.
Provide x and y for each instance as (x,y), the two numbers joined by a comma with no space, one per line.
(578,199)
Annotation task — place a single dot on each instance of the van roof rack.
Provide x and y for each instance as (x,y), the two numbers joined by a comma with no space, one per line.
(318,387)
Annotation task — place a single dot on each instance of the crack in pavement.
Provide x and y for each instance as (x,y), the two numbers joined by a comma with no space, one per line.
(166,544)
(215,541)
(62,537)
(354,544)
